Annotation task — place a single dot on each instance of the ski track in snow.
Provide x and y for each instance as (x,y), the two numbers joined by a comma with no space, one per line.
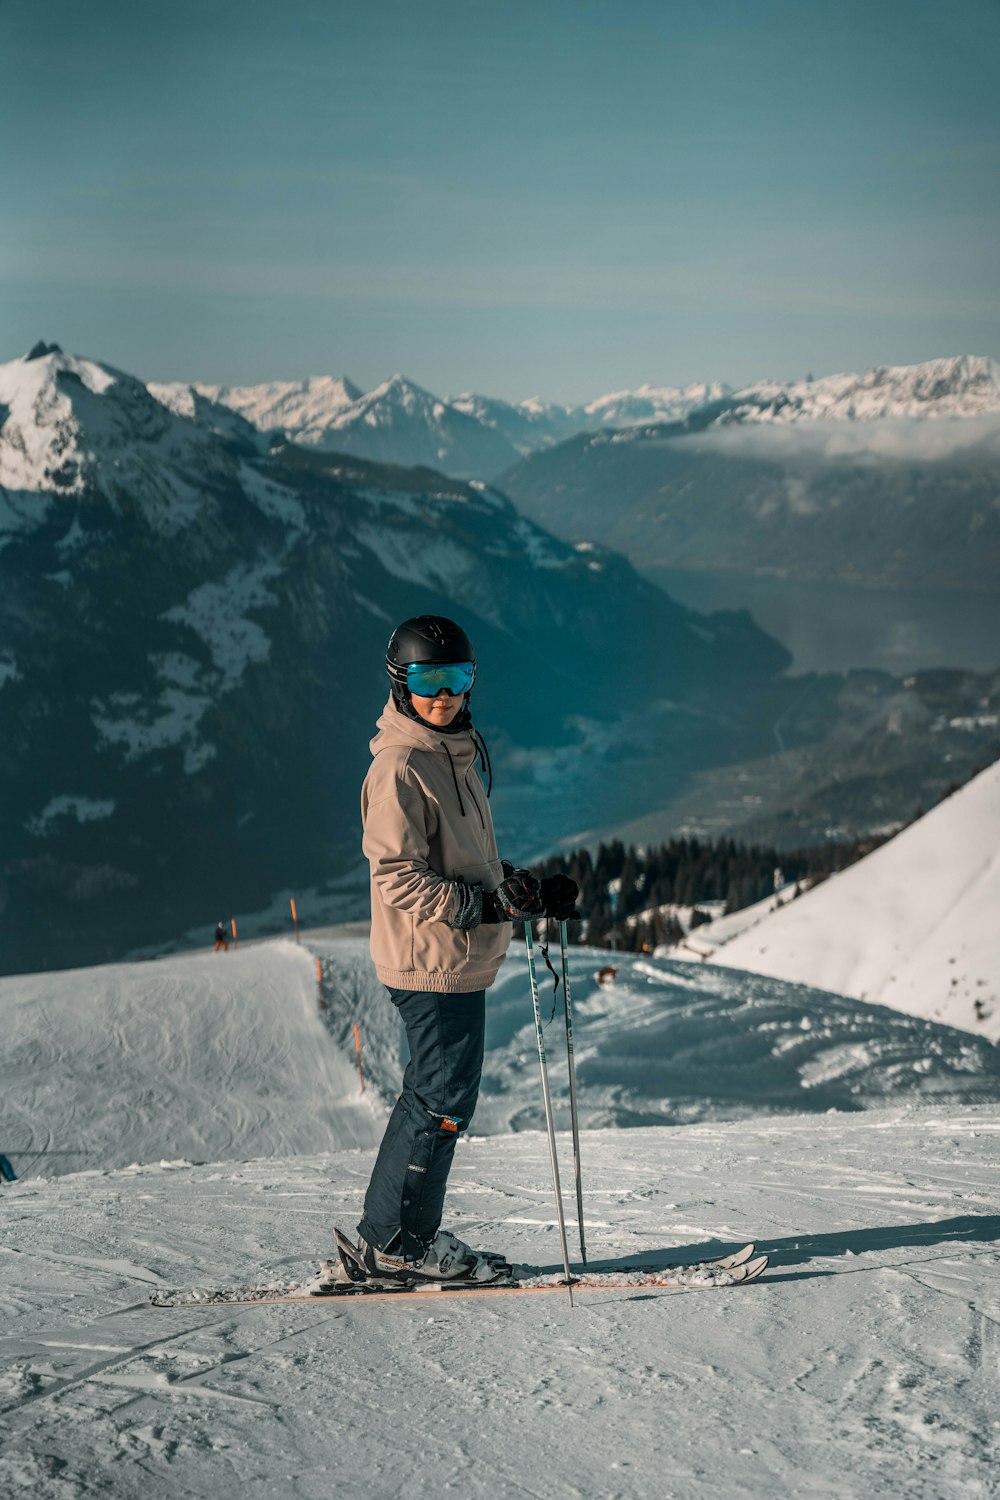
(865,1364)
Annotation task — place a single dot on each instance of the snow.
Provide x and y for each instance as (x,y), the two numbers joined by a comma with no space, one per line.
(649,403)
(276,501)
(301,408)
(206,1056)
(197,1121)
(216,612)
(964,386)
(171,719)
(8,668)
(83,809)
(912,926)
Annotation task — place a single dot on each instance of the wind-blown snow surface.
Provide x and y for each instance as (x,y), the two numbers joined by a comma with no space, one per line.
(866,1364)
(209,1055)
(913,925)
(203,1056)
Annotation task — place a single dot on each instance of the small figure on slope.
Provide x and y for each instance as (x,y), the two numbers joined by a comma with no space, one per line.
(442,907)
(221,937)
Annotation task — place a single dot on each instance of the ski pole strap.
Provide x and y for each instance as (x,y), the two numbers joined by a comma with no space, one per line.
(543,948)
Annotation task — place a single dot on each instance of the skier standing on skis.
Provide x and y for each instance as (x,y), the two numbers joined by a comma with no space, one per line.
(442,907)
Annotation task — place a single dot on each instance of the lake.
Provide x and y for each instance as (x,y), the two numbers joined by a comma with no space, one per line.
(834,626)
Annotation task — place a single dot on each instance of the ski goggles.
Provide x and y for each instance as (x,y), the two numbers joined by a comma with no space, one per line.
(426,679)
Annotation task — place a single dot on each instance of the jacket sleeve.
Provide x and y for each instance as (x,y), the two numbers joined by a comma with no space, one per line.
(396,845)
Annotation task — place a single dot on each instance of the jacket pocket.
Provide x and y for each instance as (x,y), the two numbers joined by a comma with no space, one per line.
(438,948)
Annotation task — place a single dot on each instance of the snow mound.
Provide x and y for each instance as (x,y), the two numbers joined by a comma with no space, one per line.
(912,926)
(201,1057)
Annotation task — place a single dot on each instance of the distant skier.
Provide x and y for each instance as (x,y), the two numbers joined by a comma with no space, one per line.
(221,937)
(442,904)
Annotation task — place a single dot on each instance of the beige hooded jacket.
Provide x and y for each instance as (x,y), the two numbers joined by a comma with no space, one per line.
(427,824)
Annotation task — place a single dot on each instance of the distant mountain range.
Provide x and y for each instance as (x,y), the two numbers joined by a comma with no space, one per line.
(192,634)
(479,436)
(468,436)
(889,479)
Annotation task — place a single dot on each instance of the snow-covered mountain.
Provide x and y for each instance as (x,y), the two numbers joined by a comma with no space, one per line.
(912,926)
(401,423)
(206,410)
(966,386)
(648,403)
(192,638)
(300,409)
(527,426)
(73,427)
(396,423)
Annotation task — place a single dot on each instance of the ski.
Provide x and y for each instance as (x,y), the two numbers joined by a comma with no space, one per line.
(334,1283)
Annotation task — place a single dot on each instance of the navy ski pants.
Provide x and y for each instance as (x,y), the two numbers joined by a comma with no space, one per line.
(440,1088)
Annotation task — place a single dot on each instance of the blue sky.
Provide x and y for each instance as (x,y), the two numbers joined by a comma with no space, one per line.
(547,197)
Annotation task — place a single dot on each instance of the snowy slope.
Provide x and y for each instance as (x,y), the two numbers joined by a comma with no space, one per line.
(203,1056)
(864,1365)
(913,926)
(207,1056)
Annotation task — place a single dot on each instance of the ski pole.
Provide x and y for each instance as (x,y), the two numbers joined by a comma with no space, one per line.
(547,1100)
(574,1113)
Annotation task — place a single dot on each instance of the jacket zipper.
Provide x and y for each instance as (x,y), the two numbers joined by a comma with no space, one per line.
(475,800)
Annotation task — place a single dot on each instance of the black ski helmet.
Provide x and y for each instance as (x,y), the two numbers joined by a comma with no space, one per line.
(425,638)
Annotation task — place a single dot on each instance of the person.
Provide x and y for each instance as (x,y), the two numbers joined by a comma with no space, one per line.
(442,907)
(221,937)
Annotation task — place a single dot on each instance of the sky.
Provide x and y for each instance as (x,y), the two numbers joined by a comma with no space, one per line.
(539,197)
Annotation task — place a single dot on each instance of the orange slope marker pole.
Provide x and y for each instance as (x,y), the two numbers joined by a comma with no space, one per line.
(295,918)
(232,923)
(357,1045)
(319,982)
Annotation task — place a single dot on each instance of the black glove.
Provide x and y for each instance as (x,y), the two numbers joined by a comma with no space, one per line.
(559,893)
(516,898)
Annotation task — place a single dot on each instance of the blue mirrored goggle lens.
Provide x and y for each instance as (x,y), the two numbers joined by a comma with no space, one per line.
(426,679)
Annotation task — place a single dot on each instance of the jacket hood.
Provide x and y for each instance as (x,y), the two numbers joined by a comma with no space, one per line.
(396,729)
